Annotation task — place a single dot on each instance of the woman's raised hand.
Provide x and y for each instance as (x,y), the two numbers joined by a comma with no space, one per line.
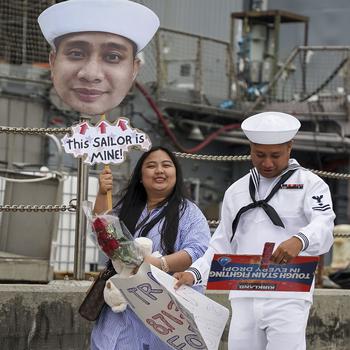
(105,181)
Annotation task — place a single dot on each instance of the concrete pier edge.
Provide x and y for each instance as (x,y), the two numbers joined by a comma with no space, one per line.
(43,317)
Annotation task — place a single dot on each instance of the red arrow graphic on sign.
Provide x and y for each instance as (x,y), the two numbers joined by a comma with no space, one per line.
(83,128)
(122,125)
(103,127)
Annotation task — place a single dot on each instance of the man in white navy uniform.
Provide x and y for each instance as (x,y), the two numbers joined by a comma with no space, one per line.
(260,207)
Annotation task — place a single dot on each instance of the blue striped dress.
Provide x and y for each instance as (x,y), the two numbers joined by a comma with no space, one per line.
(124,330)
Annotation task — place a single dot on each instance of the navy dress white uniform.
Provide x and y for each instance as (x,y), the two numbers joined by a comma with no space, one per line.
(271,320)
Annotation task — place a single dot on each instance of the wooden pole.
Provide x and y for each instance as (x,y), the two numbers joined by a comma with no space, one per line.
(109,193)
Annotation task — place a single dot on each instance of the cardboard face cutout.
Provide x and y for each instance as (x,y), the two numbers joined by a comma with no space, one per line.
(92,72)
(94,45)
(93,65)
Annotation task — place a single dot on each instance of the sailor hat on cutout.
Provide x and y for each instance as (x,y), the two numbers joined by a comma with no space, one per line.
(122,17)
(270,128)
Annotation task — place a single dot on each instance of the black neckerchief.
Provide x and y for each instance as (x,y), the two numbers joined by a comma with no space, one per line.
(269,210)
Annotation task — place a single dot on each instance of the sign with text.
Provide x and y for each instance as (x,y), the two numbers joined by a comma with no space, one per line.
(184,319)
(245,272)
(104,143)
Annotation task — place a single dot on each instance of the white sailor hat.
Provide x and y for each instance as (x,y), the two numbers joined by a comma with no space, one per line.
(122,17)
(270,128)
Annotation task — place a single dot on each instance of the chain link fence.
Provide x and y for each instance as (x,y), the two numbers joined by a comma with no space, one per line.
(21,40)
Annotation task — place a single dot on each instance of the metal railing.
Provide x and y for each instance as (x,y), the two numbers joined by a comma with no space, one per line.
(80,237)
(310,73)
(188,62)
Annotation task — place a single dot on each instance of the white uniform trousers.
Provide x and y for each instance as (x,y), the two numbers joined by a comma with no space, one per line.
(268,324)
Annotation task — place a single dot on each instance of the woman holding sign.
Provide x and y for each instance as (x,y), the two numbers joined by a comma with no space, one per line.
(154,205)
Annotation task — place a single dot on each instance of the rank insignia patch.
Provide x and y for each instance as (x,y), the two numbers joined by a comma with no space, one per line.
(292,186)
(320,206)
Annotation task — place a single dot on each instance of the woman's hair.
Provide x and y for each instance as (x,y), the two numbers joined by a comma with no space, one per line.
(134,199)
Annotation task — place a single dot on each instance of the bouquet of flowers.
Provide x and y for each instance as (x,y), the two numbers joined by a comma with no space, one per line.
(114,239)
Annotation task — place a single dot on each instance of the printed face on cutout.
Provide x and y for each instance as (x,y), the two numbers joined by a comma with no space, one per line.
(270,160)
(158,174)
(93,71)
